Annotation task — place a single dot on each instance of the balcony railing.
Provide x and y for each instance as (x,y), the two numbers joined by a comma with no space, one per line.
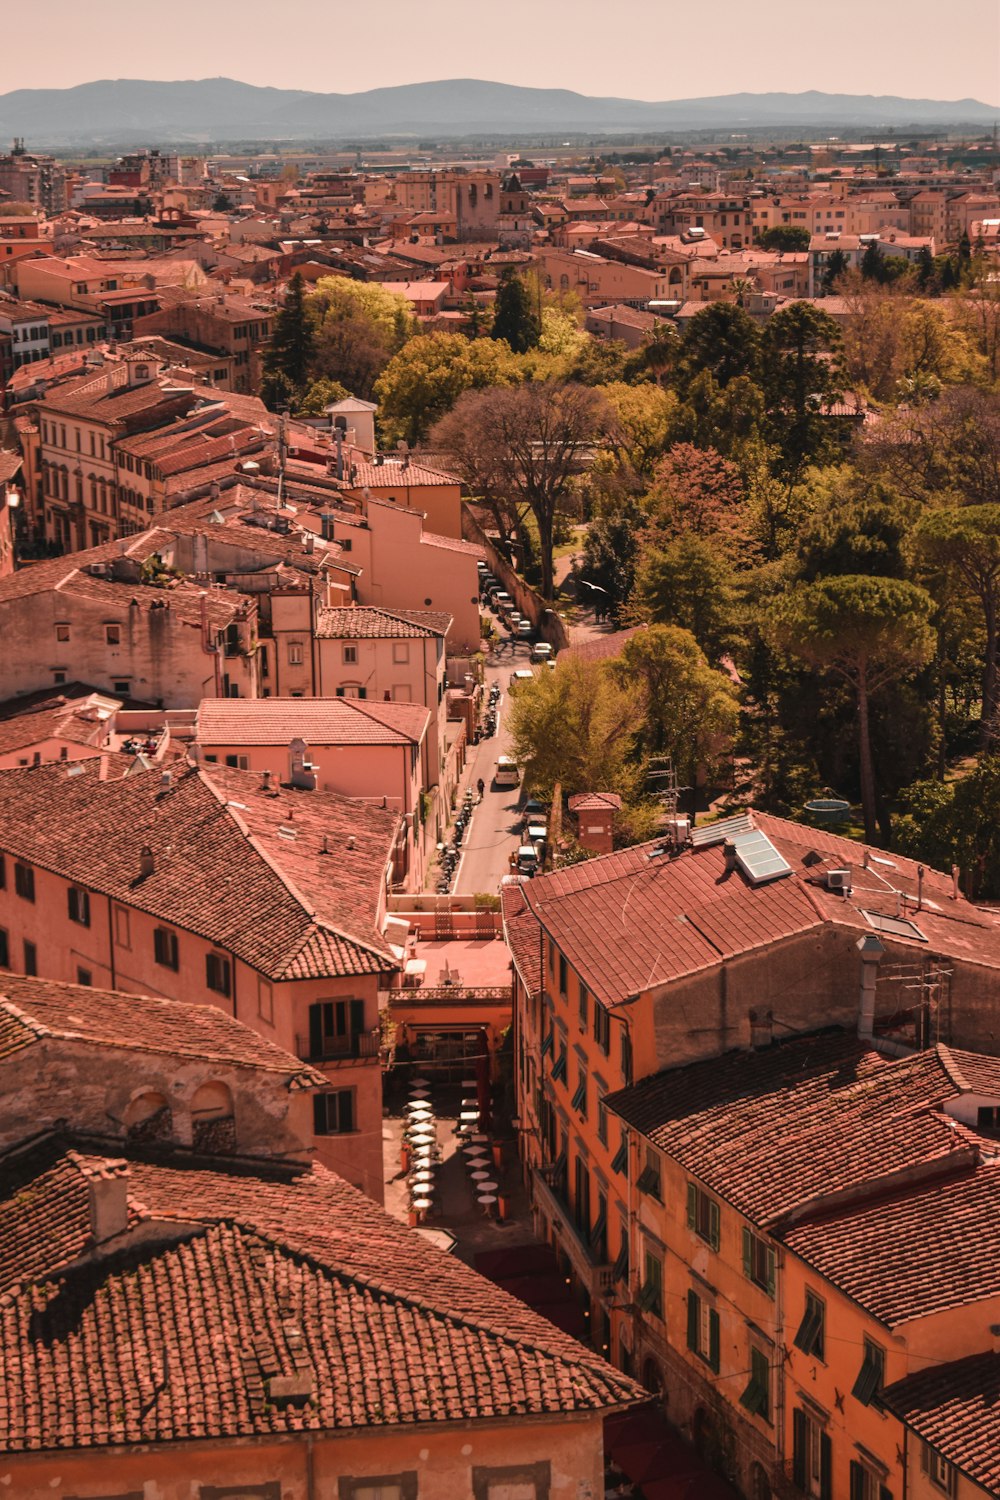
(449,994)
(359,1046)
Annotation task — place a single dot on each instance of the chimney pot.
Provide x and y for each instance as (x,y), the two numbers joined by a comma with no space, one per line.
(265,781)
(729,854)
(108,1191)
(147,861)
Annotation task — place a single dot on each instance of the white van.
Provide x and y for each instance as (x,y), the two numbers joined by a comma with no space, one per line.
(506,772)
(523,674)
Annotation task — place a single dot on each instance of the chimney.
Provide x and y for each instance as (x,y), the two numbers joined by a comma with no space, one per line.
(761,1029)
(871,951)
(954,883)
(310,541)
(108,1192)
(729,854)
(265,781)
(339,437)
(167,779)
(350,841)
(147,863)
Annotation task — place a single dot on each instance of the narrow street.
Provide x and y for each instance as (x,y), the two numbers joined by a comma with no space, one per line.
(495,825)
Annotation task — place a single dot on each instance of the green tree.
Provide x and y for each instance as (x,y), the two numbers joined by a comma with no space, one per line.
(643,418)
(956,823)
(576,726)
(800,375)
(515,315)
(722,339)
(964,541)
(610,551)
(318,395)
(836,266)
(689,583)
(430,372)
(785,237)
(868,632)
(289,352)
(690,710)
(360,326)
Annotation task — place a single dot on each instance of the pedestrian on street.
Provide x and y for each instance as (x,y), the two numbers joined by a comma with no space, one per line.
(481,788)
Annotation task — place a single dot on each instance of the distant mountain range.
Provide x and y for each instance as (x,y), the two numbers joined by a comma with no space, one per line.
(116,112)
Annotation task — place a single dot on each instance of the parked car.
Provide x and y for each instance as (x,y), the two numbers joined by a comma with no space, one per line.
(534,812)
(527,861)
(502,601)
(541,651)
(506,772)
(524,631)
(522,675)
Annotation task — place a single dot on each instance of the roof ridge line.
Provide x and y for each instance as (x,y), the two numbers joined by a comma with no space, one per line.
(226,806)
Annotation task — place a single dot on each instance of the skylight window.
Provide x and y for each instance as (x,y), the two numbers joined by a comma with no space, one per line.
(894,926)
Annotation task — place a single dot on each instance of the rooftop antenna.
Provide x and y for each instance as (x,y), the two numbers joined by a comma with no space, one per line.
(670,792)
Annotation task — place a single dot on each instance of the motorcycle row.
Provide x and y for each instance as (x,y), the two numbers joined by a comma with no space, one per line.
(451,853)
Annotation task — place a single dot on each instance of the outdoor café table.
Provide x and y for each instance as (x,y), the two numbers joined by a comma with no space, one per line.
(419,1107)
(486,1202)
(486,1187)
(480,1140)
(420,1083)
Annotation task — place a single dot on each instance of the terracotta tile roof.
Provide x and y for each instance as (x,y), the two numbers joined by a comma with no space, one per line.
(319,721)
(76,713)
(522,937)
(33,1009)
(10,464)
(776,1132)
(595,802)
(956,1409)
(916,1252)
(392,474)
(294,1275)
(628,921)
(89,575)
(365,622)
(224,868)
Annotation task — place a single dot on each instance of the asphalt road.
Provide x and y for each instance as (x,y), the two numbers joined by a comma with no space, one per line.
(495,827)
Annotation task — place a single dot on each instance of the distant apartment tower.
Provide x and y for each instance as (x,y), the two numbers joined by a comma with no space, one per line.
(29,178)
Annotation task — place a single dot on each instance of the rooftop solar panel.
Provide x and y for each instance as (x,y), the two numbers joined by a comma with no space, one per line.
(717,833)
(759,860)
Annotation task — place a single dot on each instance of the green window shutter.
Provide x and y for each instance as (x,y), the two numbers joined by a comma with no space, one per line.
(825,1467)
(692,1205)
(747,1253)
(357,1017)
(713,1220)
(770,1272)
(693,1320)
(620,1162)
(316,1030)
(713,1340)
(799,1449)
(857,1481)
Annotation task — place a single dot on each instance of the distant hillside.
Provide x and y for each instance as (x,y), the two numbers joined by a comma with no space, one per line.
(133,111)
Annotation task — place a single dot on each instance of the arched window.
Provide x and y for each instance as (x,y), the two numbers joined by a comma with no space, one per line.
(148,1117)
(212,1119)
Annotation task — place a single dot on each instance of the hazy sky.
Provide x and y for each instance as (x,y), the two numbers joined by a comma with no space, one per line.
(644,49)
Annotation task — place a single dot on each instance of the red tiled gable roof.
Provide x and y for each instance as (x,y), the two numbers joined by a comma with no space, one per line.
(775,1132)
(223,868)
(972,1072)
(595,802)
(522,937)
(296,1274)
(627,922)
(392,474)
(33,1009)
(365,622)
(917,1252)
(73,575)
(65,715)
(319,721)
(956,1409)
